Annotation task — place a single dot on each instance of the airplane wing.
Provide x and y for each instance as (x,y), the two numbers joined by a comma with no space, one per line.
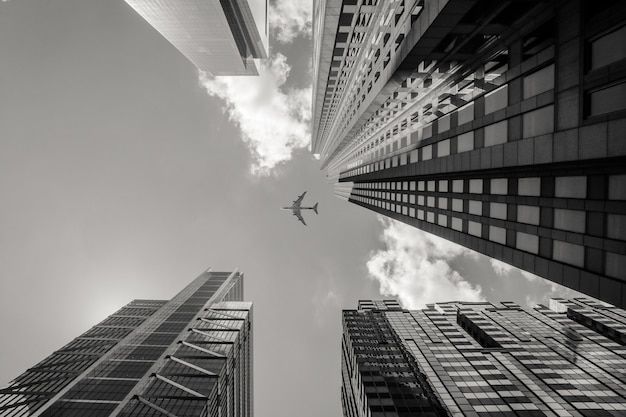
(296,203)
(299,216)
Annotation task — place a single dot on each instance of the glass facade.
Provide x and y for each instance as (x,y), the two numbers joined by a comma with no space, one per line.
(482,359)
(188,356)
(523,124)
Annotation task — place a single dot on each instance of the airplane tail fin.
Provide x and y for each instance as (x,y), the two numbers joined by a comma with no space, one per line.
(315,208)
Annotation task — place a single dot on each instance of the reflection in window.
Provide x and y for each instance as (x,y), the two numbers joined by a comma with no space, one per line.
(476,207)
(538,122)
(496,133)
(457,186)
(497,210)
(474,228)
(615,265)
(528,214)
(466,113)
(443,123)
(571,187)
(499,186)
(529,186)
(539,81)
(568,253)
(476,186)
(527,242)
(607,100)
(465,142)
(571,220)
(497,234)
(609,48)
(497,99)
(616,226)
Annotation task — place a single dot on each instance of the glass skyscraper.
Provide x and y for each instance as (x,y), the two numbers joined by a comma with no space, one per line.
(498,125)
(482,359)
(189,356)
(220,37)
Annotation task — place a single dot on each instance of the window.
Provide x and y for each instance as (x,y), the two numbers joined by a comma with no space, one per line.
(615,265)
(497,234)
(457,186)
(431,185)
(420,200)
(497,210)
(496,133)
(412,212)
(607,100)
(474,228)
(539,81)
(457,204)
(616,226)
(497,99)
(443,123)
(526,242)
(529,186)
(420,214)
(571,187)
(465,142)
(538,122)
(476,186)
(442,220)
(571,220)
(420,186)
(609,48)
(412,186)
(430,201)
(411,199)
(499,186)
(466,114)
(443,148)
(528,214)
(427,152)
(443,203)
(568,253)
(476,207)
(430,217)
(457,224)
(443,186)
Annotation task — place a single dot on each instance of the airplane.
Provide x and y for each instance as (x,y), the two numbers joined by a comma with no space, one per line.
(295,208)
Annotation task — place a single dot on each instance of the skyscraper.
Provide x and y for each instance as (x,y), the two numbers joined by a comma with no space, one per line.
(481,359)
(220,37)
(496,125)
(190,356)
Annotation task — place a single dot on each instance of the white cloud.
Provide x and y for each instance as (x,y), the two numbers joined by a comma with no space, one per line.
(500,267)
(414,267)
(530,277)
(290,18)
(274,121)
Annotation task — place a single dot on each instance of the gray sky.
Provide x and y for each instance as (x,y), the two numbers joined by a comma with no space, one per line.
(121,177)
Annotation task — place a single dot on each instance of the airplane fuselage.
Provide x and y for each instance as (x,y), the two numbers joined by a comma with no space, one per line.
(297,208)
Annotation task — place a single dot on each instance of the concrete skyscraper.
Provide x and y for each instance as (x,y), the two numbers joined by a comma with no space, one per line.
(482,359)
(220,37)
(190,356)
(498,125)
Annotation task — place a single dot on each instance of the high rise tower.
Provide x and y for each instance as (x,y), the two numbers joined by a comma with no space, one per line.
(220,37)
(498,125)
(190,356)
(482,359)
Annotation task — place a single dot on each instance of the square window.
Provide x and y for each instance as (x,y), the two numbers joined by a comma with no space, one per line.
(496,133)
(431,185)
(476,186)
(443,186)
(476,207)
(457,204)
(457,224)
(497,99)
(474,228)
(539,82)
(499,186)
(427,152)
(538,122)
(497,210)
(529,186)
(465,142)
(615,265)
(528,214)
(571,220)
(616,226)
(527,242)
(617,187)
(571,187)
(443,148)
(497,234)
(457,186)
(442,220)
(443,203)
(568,253)
(430,217)
(466,113)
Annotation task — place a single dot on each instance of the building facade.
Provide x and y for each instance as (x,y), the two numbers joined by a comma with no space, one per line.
(220,37)
(496,125)
(189,356)
(481,359)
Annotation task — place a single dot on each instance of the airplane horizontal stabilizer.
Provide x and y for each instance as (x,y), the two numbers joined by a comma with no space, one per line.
(315,208)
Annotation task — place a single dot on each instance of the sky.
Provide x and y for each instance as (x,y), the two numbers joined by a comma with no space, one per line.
(124,173)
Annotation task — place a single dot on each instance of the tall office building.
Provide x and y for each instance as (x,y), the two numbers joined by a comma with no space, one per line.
(480,359)
(498,125)
(220,37)
(189,356)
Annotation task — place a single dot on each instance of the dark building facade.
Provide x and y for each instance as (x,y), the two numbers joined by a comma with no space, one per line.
(498,125)
(189,356)
(481,359)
